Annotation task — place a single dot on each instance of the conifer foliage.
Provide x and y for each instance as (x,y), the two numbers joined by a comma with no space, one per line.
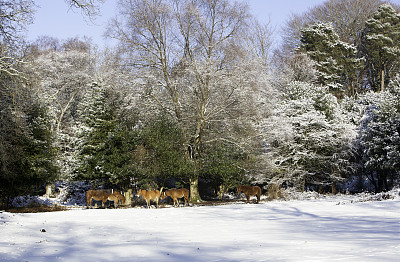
(379,139)
(381,47)
(335,60)
(308,138)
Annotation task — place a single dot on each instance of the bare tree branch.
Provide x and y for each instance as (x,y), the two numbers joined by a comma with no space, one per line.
(89,8)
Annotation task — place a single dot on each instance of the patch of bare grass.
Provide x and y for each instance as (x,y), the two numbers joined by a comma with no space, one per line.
(37,209)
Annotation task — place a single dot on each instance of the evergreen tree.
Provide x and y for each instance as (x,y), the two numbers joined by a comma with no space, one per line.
(97,129)
(27,155)
(160,152)
(335,61)
(224,163)
(318,41)
(308,138)
(379,140)
(381,47)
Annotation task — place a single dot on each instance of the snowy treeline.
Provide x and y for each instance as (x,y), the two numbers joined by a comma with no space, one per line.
(193,96)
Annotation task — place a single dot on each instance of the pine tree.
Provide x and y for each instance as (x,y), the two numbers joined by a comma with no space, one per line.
(335,61)
(381,47)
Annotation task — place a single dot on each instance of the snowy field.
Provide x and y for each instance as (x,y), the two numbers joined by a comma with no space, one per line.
(329,229)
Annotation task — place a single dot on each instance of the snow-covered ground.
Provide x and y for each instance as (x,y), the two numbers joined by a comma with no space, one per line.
(328,229)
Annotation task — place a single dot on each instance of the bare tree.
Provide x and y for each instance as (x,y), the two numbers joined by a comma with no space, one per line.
(348,17)
(14,17)
(291,33)
(190,58)
(258,41)
(62,76)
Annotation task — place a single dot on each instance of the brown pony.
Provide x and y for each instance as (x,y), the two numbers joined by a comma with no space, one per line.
(150,195)
(250,191)
(175,194)
(101,195)
(116,197)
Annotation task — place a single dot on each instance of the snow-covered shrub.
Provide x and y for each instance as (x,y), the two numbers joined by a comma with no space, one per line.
(293,194)
(73,192)
(25,201)
(366,197)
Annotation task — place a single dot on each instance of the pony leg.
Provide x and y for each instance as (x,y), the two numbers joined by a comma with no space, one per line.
(88,201)
(248,198)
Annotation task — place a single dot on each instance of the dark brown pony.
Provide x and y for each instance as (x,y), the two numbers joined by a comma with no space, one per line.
(150,195)
(175,194)
(250,191)
(103,196)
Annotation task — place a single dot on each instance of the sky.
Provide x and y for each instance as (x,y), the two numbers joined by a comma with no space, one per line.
(55,18)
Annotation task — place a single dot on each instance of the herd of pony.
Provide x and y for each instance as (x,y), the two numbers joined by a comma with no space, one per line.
(156,195)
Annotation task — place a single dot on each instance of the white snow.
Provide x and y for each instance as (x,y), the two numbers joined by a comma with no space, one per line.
(329,229)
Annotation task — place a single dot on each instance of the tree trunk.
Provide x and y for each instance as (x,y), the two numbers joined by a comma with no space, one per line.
(221,191)
(383,79)
(372,179)
(194,190)
(193,153)
(128,197)
(382,182)
(194,181)
(334,190)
